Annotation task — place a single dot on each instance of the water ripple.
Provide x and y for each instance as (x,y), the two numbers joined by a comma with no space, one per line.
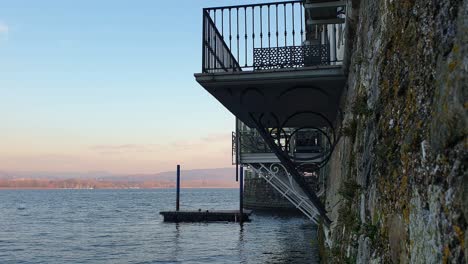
(124,226)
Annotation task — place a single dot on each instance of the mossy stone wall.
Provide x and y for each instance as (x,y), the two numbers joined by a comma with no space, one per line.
(397,188)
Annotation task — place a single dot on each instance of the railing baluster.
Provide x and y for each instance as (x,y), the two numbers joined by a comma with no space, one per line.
(302,22)
(245,32)
(222,23)
(277,32)
(293,31)
(324,39)
(203,43)
(215,40)
(207,40)
(253,27)
(334,42)
(269,31)
(230,35)
(261,27)
(230,31)
(237,13)
(209,43)
(285,27)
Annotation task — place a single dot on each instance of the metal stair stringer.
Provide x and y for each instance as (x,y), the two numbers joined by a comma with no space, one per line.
(278,177)
(291,169)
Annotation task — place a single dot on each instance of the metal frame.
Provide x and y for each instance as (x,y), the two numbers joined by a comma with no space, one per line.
(232,35)
(292,169)
(279,177)
(216,55)
(279,132)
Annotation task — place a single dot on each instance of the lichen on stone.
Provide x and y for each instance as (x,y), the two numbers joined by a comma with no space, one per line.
(401,167)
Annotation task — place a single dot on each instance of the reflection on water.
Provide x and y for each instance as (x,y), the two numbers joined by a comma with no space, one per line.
(124,226)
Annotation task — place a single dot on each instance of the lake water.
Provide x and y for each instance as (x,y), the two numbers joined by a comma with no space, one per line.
(124,226)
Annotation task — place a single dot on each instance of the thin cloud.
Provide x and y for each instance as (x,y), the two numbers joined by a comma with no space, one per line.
(184,145)
(122,148)
(217,137)
(4,29)
(202,143)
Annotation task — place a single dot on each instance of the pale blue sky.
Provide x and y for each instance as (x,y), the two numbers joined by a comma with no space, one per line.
(77,76)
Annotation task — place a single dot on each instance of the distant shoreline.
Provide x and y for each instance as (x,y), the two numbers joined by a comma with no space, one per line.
(155,188)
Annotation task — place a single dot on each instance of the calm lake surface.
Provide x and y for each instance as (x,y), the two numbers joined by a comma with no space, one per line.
(124,226)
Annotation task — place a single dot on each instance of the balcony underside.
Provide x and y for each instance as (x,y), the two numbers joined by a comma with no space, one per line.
(300,97)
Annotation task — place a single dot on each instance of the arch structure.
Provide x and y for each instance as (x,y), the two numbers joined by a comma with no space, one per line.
(285,148)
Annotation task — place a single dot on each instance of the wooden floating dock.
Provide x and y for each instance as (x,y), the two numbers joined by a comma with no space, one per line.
(206,216)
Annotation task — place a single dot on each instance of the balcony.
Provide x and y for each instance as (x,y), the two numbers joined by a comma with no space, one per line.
(305,147)
(276,60)
(278,68)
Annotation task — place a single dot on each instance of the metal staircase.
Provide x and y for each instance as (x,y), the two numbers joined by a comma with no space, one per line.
(277,175)
(286,177)
(284,160)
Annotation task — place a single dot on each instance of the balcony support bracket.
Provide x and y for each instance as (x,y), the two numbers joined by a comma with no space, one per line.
(289,166)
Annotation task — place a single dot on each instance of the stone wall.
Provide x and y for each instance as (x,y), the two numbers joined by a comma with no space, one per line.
(397,190)
(260,195)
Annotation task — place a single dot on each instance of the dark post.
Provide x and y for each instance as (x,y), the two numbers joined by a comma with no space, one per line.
(178,188)
(237,149)
(241,194)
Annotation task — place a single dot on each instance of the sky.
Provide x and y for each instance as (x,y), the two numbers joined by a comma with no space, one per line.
(107,85)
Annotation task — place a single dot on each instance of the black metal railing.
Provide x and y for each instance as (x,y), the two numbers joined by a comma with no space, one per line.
(267,36)
(216,55)
(252,142)
(301,145)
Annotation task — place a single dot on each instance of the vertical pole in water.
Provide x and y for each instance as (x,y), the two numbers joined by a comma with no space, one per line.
(241,194)
(178,188)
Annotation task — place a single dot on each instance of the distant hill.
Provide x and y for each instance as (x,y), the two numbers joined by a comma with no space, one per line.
(200,178)
(227,174)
